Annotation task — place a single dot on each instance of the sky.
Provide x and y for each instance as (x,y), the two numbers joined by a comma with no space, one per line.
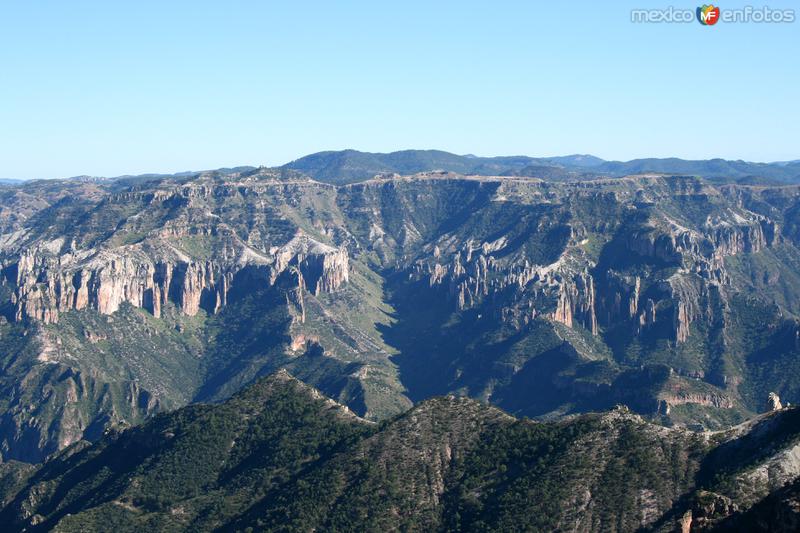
(112,88)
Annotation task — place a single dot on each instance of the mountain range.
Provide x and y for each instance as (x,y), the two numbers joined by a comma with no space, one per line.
(348,166)
(447,337)
(278,456)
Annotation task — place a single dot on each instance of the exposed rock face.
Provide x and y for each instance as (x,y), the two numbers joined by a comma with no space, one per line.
(686,522)
(47,285)
(707,510)
(575,290)
(324,268)
(774,402)
(474,276)
(714,400)
(614,282)
(569,296)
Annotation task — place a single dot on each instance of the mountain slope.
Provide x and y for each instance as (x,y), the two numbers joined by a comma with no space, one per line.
(668,294)
(278,456)
(265,434)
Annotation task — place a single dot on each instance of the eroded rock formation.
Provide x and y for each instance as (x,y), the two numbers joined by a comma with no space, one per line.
(774,402)
(47,284)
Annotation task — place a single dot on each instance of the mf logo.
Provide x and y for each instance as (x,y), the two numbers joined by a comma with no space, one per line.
(707,15)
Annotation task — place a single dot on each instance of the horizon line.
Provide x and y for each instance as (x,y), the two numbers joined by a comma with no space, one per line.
(574,154)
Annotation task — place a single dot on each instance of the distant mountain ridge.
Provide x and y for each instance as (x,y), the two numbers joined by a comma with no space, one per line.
(349,166)
(340,167)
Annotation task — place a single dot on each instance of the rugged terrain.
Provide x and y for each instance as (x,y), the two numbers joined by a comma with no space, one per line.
(279,456)
(124,298)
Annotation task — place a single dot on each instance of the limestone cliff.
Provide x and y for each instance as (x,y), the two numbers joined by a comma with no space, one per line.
(47,284)
(575,289)
(546,298)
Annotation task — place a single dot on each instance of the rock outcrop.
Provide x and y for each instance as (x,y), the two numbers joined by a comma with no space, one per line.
(716,400)
(574,289)
(774,402)
(615,281)
(47,284)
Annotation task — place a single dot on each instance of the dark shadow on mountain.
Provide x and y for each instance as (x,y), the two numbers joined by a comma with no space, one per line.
(247,338)
(772,433)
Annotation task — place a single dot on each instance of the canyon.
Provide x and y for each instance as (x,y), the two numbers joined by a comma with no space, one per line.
(122,298)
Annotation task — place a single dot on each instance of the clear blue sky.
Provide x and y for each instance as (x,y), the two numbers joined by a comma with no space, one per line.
(103,88)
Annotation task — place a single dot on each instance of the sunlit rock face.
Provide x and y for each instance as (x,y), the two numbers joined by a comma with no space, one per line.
(667,294)
(48,284)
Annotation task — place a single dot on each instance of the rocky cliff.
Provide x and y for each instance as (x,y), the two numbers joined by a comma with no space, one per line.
(666,293)
(47,284)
